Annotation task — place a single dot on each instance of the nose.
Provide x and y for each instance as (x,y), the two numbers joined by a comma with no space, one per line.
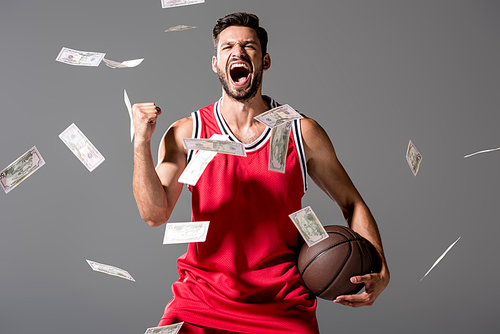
(238,51)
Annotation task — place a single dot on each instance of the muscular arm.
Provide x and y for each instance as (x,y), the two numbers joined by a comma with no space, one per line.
(326,171)
(157,190)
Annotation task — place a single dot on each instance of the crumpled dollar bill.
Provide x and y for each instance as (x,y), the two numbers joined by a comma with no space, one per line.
(19,170)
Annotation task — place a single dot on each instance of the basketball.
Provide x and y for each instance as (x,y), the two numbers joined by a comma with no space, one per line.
(326,267)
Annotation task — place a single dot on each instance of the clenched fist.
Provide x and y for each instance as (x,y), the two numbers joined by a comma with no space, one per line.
(145,115)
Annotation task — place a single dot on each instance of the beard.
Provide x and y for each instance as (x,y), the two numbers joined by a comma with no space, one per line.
(241,94)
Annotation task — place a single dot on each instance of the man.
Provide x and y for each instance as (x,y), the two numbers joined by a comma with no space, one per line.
(244,278)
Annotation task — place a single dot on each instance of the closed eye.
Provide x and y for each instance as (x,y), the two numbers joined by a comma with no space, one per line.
(226,46)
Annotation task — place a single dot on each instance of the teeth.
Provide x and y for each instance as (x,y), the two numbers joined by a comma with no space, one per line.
(239,65)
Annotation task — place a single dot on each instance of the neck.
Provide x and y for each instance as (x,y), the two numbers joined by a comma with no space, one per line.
(240,115)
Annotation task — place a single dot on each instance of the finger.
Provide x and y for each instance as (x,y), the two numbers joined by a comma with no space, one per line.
(347,303)
(362,279)
(147,113)
(351,298)
(363,299)
(354,304)
(151,110)
(145,104)
(145,108)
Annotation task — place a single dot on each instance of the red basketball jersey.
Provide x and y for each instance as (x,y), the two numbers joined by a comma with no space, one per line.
(244,277)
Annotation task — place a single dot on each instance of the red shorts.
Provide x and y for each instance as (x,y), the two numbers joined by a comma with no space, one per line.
(188,328)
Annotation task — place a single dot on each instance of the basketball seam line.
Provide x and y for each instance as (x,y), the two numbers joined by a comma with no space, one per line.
(340,243)
(336,276)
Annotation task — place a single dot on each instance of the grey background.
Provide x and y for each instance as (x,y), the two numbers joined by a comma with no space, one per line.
(374,74)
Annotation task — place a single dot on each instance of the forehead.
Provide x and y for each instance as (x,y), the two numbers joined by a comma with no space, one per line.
(235,34)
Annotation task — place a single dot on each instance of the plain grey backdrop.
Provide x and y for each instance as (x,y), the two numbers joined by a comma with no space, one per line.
(375,74)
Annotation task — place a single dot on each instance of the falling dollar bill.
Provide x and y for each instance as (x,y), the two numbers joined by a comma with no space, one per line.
(198,163)
(279,147)
(129,108)
(123,64)
(220,146)
(309,226)
(483,151)
(19,170)
(196,167)
(170,329)
(178,233)
(110,270)
(277,116)
(80,58)
(177,3)
(81,147)
(440,258)
(179,28)
(413,157)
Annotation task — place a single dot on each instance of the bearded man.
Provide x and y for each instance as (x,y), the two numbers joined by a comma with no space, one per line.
(244,277)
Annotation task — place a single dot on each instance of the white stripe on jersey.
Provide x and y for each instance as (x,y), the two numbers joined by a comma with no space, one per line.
(224,128)
(297,137)
(195,115)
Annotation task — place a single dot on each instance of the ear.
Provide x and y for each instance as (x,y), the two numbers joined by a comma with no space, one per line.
(214,64)
(266,62)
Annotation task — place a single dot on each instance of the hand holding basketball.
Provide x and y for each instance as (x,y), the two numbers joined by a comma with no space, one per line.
(375,283)
(327,267)
(338,267)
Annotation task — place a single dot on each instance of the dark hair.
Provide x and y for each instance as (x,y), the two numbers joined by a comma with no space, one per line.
(244,20)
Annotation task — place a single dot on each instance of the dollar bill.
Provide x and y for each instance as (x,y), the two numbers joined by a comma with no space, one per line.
(19,170)
(413,157)
(277,116)
(123,64)
(170,329)
(177,3)
(178,233)
(220,146)
(198,163)
(81,147)
(440,258)
(129,108)
(110,270)
(280,136)
(196,167)
(483,151)
(80,58)
(309,226)
(179,28)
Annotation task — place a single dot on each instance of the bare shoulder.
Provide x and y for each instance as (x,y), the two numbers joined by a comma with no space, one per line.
(171,143)
(182,128)
(315,138)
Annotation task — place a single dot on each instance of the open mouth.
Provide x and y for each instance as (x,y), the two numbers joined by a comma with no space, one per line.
(239,73)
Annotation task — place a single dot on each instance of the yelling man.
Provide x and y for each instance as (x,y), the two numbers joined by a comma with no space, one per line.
(244,277)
